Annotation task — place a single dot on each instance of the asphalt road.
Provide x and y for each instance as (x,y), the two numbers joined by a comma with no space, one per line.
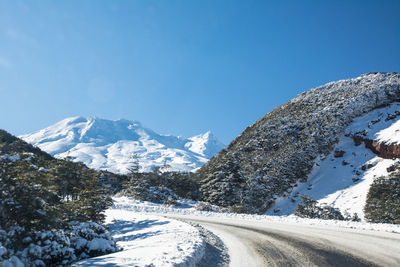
(288,244)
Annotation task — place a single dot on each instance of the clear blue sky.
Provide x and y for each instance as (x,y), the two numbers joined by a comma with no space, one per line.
(182,67)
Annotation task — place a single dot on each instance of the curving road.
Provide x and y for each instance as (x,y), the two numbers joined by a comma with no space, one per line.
(288,244)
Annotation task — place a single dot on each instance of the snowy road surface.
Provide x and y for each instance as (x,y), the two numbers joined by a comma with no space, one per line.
(289,244)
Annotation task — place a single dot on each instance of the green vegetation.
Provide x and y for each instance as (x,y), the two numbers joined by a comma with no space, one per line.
(309,208)
(52,199)
(383,200)
(40,192)
(160,186)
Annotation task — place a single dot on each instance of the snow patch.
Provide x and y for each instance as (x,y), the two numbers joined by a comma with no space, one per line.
(148,240)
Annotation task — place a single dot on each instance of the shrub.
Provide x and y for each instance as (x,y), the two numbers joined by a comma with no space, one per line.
(54,247)
(383,200)
(309,208)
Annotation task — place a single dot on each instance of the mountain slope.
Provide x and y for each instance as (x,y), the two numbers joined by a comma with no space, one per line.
(109,145)
(276,153)
(343,178)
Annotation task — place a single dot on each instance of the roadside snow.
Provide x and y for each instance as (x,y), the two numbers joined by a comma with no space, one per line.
(149,240)
(189,208)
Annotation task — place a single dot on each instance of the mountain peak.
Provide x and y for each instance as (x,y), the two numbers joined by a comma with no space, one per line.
(205,144)
(109,144)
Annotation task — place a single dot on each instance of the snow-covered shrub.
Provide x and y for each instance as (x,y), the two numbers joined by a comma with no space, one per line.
(54,247)
(48,248)
(171,202)
(6,250)
(383,200)
(205,206)
(237,208)
(39,198)
(13,261)
(160,187)
(156,194)
(353,218)
(91,239)
(309,208)
(35,248)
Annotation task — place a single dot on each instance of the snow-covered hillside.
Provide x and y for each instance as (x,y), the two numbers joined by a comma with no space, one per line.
(343,181)
(109,145)
(269,158)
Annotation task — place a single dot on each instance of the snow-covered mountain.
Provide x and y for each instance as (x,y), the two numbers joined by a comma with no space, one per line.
(109,145)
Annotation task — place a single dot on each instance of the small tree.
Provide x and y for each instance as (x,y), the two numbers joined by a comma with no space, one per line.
(133,177)
(27,197)
(165,167)
(134,165)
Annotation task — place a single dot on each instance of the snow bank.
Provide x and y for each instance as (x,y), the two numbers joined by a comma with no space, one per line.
(148,240)
(189,208)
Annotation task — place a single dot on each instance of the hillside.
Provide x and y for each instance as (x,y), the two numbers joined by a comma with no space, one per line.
(109,145)
(342,179)
(278,152)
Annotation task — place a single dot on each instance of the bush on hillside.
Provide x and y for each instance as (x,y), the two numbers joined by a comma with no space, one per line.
(309,208)
(383,200)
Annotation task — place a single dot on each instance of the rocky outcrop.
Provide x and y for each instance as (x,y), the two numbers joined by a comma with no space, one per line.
(338,153)
(383,150)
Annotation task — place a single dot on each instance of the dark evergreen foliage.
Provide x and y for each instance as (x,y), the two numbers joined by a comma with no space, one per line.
(39,193)
(160,186)
(383,200)
(40,197)
(309,208)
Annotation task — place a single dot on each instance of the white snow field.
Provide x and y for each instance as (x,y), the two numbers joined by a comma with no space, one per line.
(109,145)
(343,182)
(149,240)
